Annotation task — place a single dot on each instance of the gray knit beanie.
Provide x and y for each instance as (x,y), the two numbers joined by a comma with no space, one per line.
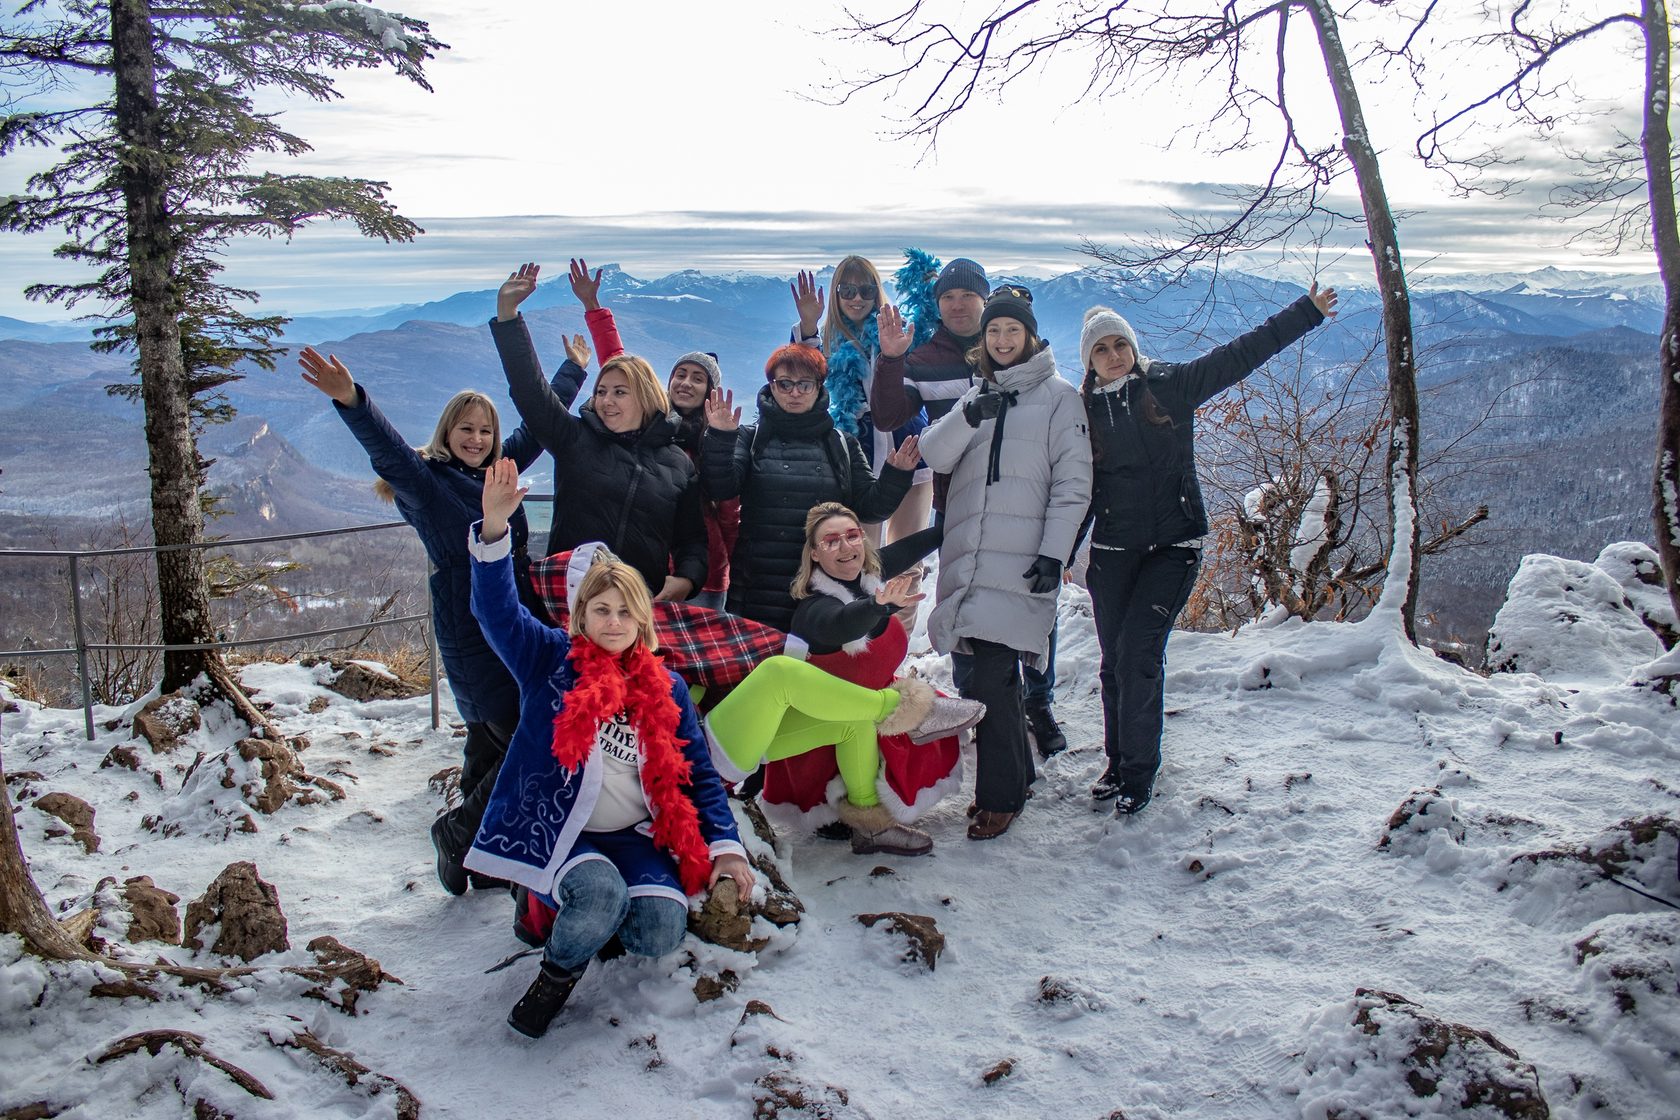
(962,273)
(1100,322)
(705,361)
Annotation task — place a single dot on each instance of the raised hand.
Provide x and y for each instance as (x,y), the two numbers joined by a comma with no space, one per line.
(577,349)
(515,289)
(328,375)
(502,495)
(900,591)
(586,288)
(1325,301)
(904,457)
(721,412)
(808,298)
(894,332)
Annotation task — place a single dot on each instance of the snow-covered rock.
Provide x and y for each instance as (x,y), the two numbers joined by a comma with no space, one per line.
(1568,622)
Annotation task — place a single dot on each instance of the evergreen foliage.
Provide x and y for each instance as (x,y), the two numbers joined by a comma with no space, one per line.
(153,111)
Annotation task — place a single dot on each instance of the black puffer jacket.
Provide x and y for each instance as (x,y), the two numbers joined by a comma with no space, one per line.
(636,491)
(779,469)
(1144,491)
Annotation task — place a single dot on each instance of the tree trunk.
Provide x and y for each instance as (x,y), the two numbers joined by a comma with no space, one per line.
(22,909)
(1400,588)
(1657,143)
(177,516)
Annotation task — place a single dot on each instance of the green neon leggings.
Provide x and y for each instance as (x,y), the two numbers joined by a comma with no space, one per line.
(786,707)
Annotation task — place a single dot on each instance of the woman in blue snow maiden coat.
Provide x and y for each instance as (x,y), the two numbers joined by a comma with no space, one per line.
(1147,520)
(609,803)
(437,489)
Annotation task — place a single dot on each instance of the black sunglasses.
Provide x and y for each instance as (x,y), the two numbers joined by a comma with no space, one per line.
(855,291)
(1015,290)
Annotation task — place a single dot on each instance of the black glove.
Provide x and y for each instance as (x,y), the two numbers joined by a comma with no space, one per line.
(983,407)
(1044,576)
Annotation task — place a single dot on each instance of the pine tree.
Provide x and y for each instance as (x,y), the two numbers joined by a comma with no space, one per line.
(154,178)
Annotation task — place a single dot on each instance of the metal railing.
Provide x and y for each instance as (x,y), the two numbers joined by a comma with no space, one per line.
(82,647)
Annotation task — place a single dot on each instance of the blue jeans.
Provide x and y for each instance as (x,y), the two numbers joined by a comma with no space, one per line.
(594,903)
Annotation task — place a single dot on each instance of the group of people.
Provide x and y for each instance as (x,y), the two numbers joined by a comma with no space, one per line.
(613,686)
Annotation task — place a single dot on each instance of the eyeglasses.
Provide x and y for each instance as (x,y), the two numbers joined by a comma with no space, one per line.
(855,291)
(797,388)
(834,542)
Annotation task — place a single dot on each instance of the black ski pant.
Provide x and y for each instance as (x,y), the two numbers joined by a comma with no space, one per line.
(481,761)
(1003,761)
(1136,595)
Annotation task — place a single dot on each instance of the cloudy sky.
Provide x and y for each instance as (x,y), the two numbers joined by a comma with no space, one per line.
(665,135)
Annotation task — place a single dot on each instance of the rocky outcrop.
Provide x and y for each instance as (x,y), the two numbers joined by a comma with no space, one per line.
(151,911)
(925,942)
(75,813)
(245,911)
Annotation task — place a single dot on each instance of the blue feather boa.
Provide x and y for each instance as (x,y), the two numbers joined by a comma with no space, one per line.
(848,366)
(848,370)
(914,284)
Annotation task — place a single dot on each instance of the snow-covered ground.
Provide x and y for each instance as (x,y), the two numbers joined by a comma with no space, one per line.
(1199,960)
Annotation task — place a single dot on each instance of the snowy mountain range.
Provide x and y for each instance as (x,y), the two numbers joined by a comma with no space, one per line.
(1512,344)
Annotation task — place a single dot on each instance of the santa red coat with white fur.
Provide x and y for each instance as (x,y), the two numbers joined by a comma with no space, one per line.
(801,792)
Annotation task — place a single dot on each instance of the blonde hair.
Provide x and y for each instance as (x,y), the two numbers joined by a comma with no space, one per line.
(437,448)
(822,511)
(851,270)
(609,573)
(644,384)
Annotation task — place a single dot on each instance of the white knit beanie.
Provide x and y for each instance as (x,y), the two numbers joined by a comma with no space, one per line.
(1100,322)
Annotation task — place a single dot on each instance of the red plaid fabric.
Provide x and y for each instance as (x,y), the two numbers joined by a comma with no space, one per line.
(703,647)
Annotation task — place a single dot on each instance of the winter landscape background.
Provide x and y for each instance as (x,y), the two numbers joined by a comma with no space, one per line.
(1535,387)
(1343,824)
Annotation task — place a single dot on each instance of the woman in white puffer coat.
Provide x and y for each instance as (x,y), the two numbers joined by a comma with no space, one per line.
(1019,457)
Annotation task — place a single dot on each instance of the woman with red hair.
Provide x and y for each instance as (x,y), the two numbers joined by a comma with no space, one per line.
(791,460)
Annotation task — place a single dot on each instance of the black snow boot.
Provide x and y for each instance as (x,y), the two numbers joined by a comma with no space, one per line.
(1047,733)
(1128,804)
(543,1000)
(449,856)
(1107,787)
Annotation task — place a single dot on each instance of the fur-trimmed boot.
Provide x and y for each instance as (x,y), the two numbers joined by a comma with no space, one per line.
(925,715)
(875,830)
(543,1000)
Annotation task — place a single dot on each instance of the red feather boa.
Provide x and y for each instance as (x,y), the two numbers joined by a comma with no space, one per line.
(638,685)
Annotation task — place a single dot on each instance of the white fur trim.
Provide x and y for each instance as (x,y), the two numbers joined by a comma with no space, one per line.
(492,552)
(925,799)
(785,815)
(721,762)
(728,848)
(834,589)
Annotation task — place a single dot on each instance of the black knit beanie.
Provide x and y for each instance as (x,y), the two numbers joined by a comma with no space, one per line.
(964,274)
(1010,301)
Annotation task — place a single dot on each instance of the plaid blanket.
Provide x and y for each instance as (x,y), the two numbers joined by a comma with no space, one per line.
(705,647)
